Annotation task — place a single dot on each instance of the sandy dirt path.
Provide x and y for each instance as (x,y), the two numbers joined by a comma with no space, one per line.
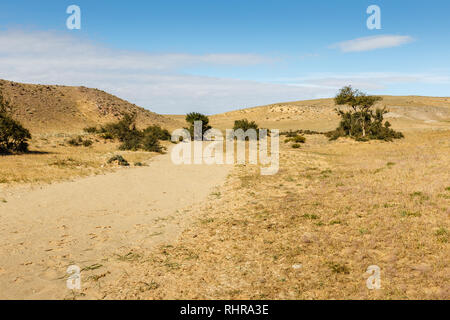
(46,229)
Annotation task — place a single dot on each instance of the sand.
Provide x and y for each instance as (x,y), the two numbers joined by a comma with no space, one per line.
(85,222)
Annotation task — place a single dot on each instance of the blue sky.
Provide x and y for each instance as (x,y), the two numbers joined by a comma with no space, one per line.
(214,56)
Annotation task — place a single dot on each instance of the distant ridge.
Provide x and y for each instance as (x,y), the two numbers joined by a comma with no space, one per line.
(44,108)
(319,114)
(55,108)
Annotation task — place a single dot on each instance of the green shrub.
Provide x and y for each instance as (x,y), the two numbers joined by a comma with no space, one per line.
(296,139)
(245,125)
(107,136)
(296,146)
(75,142)
(13,136)
(133,139)
(299,139)
(150,142)
(119,159)
(290,134)
(90,130)
(339,268)
(87,143)
(158,132)
(361,122)
(195,116)
(78,141)
(122,129)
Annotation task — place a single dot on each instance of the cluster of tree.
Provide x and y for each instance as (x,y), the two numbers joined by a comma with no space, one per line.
(13,136)
(192,117)
(132,138)
(361,122)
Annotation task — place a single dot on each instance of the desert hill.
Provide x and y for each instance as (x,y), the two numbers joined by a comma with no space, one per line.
(55,108)
(47,108)
(405,112)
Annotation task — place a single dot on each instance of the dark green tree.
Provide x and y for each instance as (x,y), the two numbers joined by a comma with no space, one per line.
(13,136)
(192,117)
(361,122)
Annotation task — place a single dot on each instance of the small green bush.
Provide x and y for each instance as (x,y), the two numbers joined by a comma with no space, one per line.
(290,134)
(75,142)
(107,136)
(339,268)
(78,141)
(299,139)
(87,143)
(296,146)
(296,139)
(119,159)
(90,130)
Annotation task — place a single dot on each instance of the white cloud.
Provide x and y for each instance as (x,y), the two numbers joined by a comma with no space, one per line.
(372,43)
(366,80)
(156,81)
(153,81)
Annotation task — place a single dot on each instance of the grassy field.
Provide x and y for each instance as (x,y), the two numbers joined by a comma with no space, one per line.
(311,231)
(53,159)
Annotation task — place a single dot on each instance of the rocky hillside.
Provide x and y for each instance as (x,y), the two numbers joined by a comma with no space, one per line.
(53,108)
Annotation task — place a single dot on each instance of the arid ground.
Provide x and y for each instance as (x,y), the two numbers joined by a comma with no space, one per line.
(159,231)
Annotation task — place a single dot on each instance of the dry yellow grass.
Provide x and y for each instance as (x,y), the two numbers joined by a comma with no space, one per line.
(334,208)
(53,159)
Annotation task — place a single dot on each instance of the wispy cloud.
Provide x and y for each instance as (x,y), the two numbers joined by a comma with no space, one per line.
(160,83)
(155,81)
(372,43)
(366,80)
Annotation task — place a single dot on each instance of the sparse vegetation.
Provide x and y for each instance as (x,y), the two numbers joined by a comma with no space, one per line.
(296,139)
(292,133)
(325,210)
(442,235)
(79,141)
(339,268)
(90,130)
